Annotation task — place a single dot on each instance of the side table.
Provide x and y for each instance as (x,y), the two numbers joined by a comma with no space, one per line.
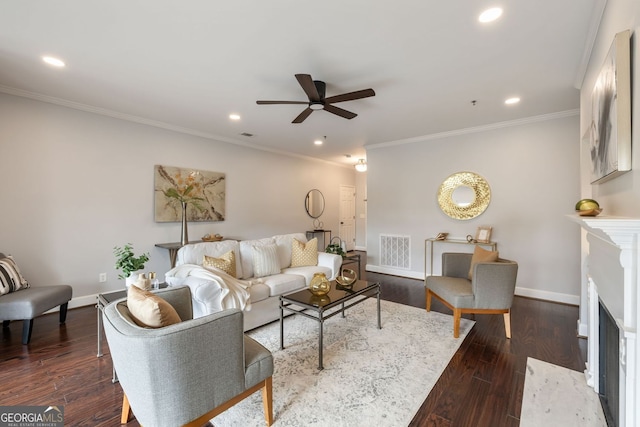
(103,300)
(352,258)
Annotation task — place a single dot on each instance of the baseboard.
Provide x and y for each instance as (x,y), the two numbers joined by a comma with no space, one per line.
(82,301)
(548,296)
(525,292)
(396,272)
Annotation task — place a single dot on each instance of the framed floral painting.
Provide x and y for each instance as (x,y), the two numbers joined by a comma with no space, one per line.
(202,191)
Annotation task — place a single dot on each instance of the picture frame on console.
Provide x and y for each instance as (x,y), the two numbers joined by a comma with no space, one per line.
(483,235)
(610,127)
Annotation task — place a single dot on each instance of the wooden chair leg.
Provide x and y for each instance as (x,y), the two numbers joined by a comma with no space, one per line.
(507,323)
(126,410)
(267,401)
(428,300)
(457,314)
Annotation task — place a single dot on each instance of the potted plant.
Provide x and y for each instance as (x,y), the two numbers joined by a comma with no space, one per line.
(128,263)
(336,248)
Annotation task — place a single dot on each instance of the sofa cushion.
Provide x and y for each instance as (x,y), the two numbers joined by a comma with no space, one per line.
(303,254)
(280,284)
(259,292)
(226,263)
(149,310)
(11,279)
(284,243)
(265,260)
(308,271)
(457,291)
(481,255)
(194,253)
(246,255)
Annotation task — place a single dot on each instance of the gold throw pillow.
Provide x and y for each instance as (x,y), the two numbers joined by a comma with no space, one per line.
(226,263)
(481,255)
(303,254)
(149,310)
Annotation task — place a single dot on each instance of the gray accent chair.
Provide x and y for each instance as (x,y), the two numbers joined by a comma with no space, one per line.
(27,304)
(490,291)
(189,372)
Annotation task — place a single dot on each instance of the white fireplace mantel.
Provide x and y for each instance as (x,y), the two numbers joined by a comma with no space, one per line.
(611,266)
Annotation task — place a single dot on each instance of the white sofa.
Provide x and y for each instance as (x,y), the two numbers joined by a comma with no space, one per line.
(263,292)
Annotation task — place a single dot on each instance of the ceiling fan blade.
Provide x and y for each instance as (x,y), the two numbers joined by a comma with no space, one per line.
(280,102)
(339,111)
(359,94)
(302,116)
(308,86)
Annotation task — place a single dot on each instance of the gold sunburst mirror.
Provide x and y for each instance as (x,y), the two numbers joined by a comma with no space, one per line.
(464,195)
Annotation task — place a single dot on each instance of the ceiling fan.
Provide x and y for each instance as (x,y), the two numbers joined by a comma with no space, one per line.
(315,90)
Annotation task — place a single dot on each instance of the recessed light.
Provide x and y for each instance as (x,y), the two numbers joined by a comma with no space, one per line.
(318,142)
(234,116)
(490,15)
(512,101)
(53,61)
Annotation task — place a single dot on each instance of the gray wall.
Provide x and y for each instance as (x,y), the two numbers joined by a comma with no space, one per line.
(76,184)
(532,168)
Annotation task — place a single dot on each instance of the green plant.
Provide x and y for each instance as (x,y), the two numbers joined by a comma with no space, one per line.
(335,248)
(127,262)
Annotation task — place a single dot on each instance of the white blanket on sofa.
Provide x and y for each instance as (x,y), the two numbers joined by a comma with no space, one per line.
(231,292)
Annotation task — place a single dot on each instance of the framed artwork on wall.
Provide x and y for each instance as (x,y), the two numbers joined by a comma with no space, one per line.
(610,127)
(203,191)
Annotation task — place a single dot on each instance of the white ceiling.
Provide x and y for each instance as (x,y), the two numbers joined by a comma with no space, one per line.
(189,64)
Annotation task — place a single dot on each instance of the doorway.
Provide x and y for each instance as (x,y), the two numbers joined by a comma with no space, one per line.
(347,213)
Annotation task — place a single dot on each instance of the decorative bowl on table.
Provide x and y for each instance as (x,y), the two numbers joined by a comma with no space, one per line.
(347,277)
(211,238)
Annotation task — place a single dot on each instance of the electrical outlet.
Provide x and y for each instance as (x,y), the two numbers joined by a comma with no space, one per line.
(102,277)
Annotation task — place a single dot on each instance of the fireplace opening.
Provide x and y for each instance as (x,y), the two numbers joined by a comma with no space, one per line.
(609,369)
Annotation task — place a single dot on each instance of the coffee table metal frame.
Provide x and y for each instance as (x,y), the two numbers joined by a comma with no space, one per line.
(319,312)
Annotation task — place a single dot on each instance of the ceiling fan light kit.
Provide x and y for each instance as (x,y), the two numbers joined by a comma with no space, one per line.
(316,92)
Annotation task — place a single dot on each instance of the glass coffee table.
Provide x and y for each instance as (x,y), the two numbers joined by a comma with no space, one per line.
(319,308)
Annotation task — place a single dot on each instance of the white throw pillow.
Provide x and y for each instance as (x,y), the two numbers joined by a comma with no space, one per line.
(265,260)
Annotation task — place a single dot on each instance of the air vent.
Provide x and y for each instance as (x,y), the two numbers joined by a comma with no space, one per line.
(247,134)
(395,251)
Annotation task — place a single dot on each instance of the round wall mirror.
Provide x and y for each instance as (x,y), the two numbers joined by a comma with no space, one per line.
(314,203)
(464,195)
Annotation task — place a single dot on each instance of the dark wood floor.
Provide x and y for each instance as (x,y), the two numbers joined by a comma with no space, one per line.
(482,386)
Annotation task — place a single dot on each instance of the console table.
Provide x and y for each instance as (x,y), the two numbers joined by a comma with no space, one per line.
(428,250)
(173,248)
(311,234)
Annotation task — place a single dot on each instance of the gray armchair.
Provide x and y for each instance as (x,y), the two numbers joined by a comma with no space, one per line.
(189,372)
(490,290)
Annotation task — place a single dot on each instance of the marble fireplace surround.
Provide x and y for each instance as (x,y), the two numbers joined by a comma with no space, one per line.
(611,258)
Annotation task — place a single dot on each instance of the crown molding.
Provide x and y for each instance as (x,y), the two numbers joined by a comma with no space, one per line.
(477,129)
(592,33)
(154,123)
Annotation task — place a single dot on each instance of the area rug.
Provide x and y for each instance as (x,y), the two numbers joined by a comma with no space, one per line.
(557,396)
(371,377)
